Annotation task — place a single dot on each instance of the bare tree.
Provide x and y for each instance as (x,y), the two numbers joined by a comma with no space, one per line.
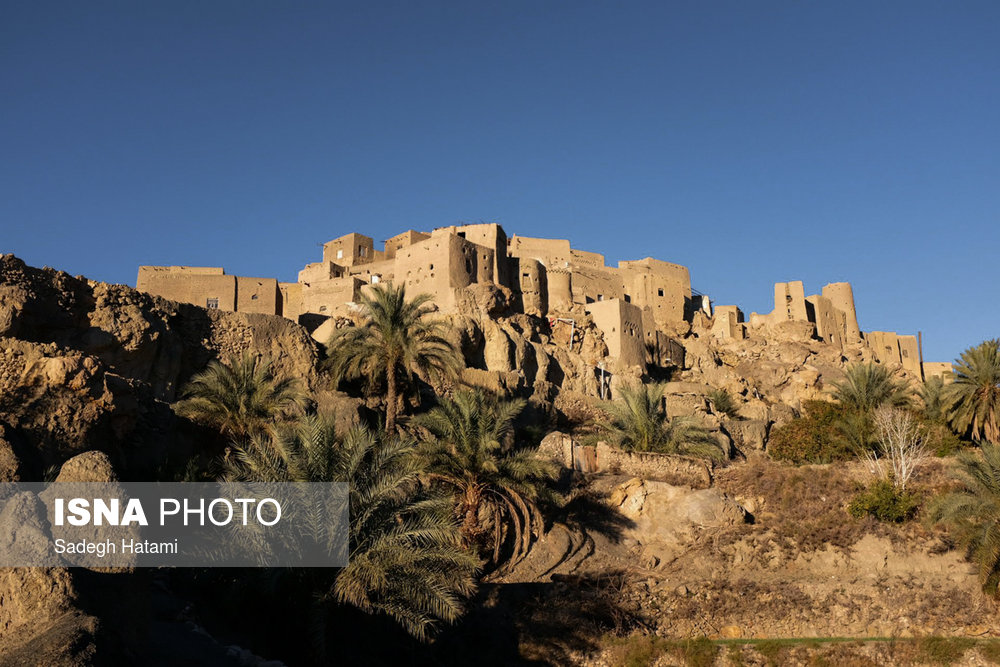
(901,448)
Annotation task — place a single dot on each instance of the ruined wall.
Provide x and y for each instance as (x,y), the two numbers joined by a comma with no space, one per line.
(829,322)
(207,287)
(909,354)
(671,468)
(941,369)
(585,258)
(590,285)
(321,271)
(789,302)
(894,350)
(621,324)
(841,295)
(532,293)
(560,288)
(728,323)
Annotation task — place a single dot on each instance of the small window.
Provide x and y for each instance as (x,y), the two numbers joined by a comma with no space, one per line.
(212,304)
(659,292)
(253,298)
(525,275)
(432,267)
(461,234)
(905,353)
(376,278)
(600,297)
(340,254)
(628,299)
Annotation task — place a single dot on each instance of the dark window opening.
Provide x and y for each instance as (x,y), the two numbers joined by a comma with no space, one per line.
(628,299)
(461,235)
(659,292)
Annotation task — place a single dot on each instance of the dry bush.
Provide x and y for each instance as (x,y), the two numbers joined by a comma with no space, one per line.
(804,507)
(901,449)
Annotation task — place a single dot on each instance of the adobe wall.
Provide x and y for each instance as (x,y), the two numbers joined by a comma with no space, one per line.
(678,470)
(321,271)
(404,240)
(291,300)
(329,296)
(532,291)
(590,285)
(560,288)
(661,349)
(662,286)
(441,264)
(553,253)
(885,347)
(258,295)
(829,327)
(349,250)
(585,258)
(941,369)
(841,295)
(909,353)
(789,302)
(621,324)
(198,286)
(728,323)
(489,235)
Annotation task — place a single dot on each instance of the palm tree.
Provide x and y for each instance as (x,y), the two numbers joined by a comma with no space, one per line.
(240,397)
(972,513)
(406,558)
(973,399)
(933,397)
(496,483)
(396,339)
(867,386)
(638,421)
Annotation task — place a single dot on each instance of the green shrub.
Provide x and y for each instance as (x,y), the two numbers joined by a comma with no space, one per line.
(723,403)
(944,650)
(816,437)
(940,439)
(884,501)
(699,652)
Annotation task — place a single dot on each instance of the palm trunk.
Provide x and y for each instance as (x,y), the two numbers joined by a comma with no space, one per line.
(470,522)
(390,399)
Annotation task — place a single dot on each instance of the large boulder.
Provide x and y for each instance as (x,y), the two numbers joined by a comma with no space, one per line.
(667,517)
(747,434)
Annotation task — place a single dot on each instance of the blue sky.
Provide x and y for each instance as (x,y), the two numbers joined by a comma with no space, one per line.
(753,142)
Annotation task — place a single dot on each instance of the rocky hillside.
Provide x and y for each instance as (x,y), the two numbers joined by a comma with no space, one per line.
(91,369)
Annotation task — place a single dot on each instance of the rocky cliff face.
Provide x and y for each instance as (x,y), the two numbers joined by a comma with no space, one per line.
(86,365)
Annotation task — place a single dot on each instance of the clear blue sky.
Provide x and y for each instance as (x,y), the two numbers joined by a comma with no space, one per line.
(753,142)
